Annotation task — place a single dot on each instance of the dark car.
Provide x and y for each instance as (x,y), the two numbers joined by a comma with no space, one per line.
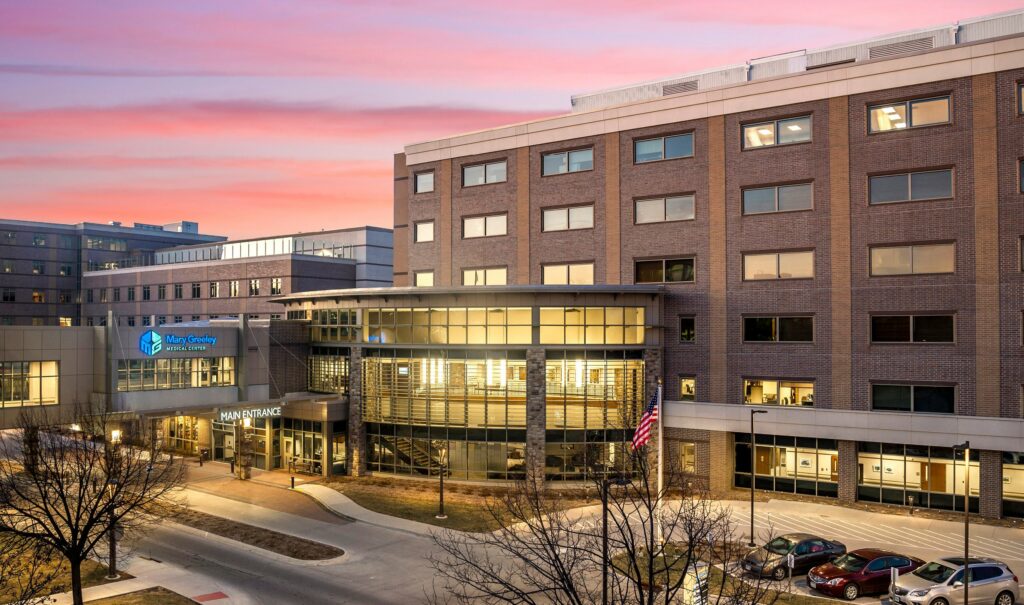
(860,572)
(808,551)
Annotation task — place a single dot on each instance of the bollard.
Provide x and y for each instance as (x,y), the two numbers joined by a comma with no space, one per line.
(293,482)
(200,461)
(232,467)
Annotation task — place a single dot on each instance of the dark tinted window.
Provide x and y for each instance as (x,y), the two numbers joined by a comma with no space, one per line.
(987,572)
(891,397)
(933,328)
(759,329)
(890,188)
(890,328)
(687,329)
(679,146)
(796,329)
(935,400)
(931,185)
(878,564)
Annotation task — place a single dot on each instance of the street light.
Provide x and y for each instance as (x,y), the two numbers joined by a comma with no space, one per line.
(753,447)
(111,527)
(606,482)
(965,447)
(441,471)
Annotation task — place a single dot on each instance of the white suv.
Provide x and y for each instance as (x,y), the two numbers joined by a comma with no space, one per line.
(940,582)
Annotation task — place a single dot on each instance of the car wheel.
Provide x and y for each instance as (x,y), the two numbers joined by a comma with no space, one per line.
(940,602)
(852,591)
(1004,598)
(779,573)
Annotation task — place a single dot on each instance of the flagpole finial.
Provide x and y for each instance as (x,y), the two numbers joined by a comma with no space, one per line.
(659,381)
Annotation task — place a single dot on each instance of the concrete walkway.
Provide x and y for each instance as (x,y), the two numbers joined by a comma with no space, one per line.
(341,504)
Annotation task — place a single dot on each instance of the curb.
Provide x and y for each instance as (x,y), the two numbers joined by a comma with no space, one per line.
(262,551)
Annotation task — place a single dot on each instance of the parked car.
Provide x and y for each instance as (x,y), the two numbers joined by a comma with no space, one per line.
(940,582)
(860,572)
(808,551)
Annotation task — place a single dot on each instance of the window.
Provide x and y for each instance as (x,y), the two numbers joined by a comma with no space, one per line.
(778,392)
(908,260)
(131,321)
(38,267)
(568,274)
(38,296)
(687,328)
(29,383)
(161,292)
(663,209)
(179,291)
(424,279)
(778,329)
(591,326)
(485,226)
(783,198)
(894,116)
(424,232)
(778,132)
(663,148)
(10,238)
(7,295)
(214,289)
(38,239)
(488,276)
(424,182)
(930,185)
(197,290)
(778,265)
(254,287)
(1020,174)
(912,328)
(233,288)
(922,398)
(66,270)
(687,388)
(66,296)
(784,463)
(89,295)
(196,318)
(160,374)
(146,321)
(161,320)
(276,286)
(664,271)
(103,295)
(117,294)
(112,244)
(68,241)
(562,162)
(145,292)
(130,291)
(1020,97)
(567,219)
(7,266)
(177,319)
(483,174)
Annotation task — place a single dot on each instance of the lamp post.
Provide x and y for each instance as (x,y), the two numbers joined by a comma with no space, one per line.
(753,474)
(606,483)
(441,471)
(112,534)
(966,448)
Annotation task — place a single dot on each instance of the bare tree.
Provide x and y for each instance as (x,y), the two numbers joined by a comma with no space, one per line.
(25,572)
(67,490)
(660,543)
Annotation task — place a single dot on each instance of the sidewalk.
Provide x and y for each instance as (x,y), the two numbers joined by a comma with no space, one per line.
(341,504)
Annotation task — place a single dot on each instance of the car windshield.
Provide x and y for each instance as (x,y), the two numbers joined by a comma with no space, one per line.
(850,562)
(779,546)
(934,572)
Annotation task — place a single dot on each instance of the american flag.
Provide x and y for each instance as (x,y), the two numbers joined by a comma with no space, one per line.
(643,430)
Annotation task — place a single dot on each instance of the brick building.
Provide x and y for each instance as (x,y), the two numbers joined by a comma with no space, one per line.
(834,236)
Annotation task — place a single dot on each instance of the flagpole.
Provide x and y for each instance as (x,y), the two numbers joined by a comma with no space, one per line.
(661,475)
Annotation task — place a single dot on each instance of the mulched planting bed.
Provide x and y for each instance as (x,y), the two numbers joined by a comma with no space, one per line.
(267,539)
(158,595)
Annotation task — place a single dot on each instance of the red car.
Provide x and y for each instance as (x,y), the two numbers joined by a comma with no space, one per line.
(859,572)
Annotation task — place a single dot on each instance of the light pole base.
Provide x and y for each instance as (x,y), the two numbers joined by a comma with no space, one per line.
(112,578)
(442,517)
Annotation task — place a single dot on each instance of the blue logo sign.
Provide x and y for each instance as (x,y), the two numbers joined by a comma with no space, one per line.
(151,343)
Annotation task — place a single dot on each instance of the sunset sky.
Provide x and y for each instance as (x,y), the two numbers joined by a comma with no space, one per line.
(258,117)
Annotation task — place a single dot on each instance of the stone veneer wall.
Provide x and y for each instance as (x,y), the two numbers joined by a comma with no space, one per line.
(356,443)
(536,410)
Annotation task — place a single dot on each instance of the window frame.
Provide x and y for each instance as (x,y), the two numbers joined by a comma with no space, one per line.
(433,183)
(663,137)
(689,317)
(910,341)
(664,207)
(568,271)
(775,124)
(568,211)
(680,380)
(814,260)
(692,258)
(484,217)
(778,389)
(872,248)
(910,181)
(568,165)
(416,232)
(485,164)
(775,194)
(485,270)
(777,328)
(910,117)
(872,384)
(417,274)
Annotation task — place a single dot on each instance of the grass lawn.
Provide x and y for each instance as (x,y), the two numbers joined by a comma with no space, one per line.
(464,504)
(282,544)
(93,574)
(158,595)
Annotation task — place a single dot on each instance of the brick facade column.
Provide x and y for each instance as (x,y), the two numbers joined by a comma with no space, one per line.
(990,501)
(652,372)
(536,410)
(717,274)
(848,471)
(355,443)
(722,461)
(839,253)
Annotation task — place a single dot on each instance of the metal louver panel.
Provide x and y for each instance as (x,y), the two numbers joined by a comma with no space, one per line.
(678,87)
(899,48)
